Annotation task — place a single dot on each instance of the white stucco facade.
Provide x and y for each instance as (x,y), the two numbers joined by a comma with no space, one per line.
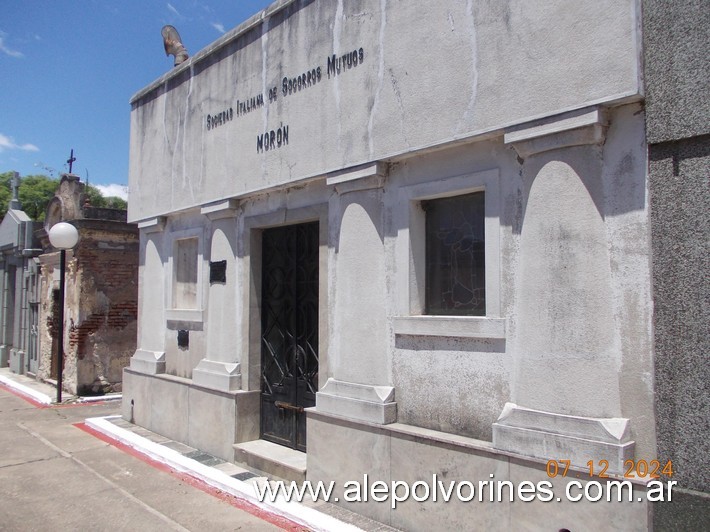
(537,104)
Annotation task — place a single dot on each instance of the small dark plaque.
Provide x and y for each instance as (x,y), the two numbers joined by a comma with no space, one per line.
(183,339)
(218,271)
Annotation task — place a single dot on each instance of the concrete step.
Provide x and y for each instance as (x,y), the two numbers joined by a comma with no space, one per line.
(270,458)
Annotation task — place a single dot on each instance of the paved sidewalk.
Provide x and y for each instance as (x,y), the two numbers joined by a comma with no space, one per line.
(222,477)
(45,393)
(56,477)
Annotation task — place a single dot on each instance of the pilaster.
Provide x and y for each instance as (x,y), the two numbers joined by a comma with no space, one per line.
(149,358)
(221,367)
(566,399)
(360,367)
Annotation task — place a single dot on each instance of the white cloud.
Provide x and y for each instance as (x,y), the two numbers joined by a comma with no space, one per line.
(120,191)
(175,11)
(8,143)
(219,27)
(4,49)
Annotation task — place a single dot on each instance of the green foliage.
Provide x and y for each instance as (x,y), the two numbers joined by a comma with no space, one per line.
(116,203)
(36,191)
(5,192)
(96,199)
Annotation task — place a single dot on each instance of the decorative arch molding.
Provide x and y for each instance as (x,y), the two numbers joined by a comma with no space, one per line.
(66,203)
(54,212)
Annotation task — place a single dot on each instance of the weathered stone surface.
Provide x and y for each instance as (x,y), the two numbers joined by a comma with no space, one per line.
(676,48)
(680,202)
(374,81)
(676,73)
(101,299)
(361,150)
(375,404)
(546,435)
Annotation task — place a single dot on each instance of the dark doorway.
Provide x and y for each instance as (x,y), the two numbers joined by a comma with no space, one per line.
(289,332)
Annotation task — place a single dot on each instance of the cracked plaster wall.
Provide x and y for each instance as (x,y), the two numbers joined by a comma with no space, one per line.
(101,296)
(471,73)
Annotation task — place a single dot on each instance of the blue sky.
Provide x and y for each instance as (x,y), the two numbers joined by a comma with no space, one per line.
(69,68)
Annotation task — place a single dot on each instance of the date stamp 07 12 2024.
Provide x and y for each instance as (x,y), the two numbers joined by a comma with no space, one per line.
(641,469)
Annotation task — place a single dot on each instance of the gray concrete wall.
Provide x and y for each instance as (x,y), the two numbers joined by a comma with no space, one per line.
(207,419)
(192,140)
(7,295)
(444,380)
(677,77)
(676,50)
(573,287)
(680,203)
(403,453)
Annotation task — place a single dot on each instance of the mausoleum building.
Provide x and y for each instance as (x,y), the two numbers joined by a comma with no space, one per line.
(403,239)
(19,277)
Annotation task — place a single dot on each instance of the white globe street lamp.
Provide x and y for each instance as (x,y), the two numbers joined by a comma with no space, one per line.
(62,236)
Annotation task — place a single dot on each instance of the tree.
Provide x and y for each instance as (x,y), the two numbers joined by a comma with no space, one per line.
(35,192)
(93,194)
(5,192)
(116,203)
(97,199)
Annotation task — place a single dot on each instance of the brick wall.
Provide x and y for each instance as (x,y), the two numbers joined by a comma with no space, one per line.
(101,307)
(104,337)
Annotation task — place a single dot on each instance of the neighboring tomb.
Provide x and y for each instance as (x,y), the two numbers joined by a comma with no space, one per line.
(101,293)
(19,345)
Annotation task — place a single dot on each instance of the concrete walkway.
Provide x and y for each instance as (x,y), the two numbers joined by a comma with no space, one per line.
(46,393)
(32,438)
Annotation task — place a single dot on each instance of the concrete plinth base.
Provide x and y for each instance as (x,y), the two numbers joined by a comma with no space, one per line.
(549,436)
(217,375)
(206,419)
(374,404)
(4,356)
(17,361)
(347,451)
(148,362)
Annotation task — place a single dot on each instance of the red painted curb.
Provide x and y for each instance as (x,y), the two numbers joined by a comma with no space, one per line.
(21,395)
(276,520)
(34,402)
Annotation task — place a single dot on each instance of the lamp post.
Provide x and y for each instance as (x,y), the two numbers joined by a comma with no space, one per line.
(62,236)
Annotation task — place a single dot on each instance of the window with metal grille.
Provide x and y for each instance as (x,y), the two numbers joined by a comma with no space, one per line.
(455,279)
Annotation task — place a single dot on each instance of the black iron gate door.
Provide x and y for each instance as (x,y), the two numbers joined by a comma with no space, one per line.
(289,332)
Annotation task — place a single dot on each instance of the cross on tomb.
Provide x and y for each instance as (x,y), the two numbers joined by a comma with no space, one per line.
(71,159)
(15,183)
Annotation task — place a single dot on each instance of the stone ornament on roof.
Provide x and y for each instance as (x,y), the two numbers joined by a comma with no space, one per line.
(173,44)
(15,184)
